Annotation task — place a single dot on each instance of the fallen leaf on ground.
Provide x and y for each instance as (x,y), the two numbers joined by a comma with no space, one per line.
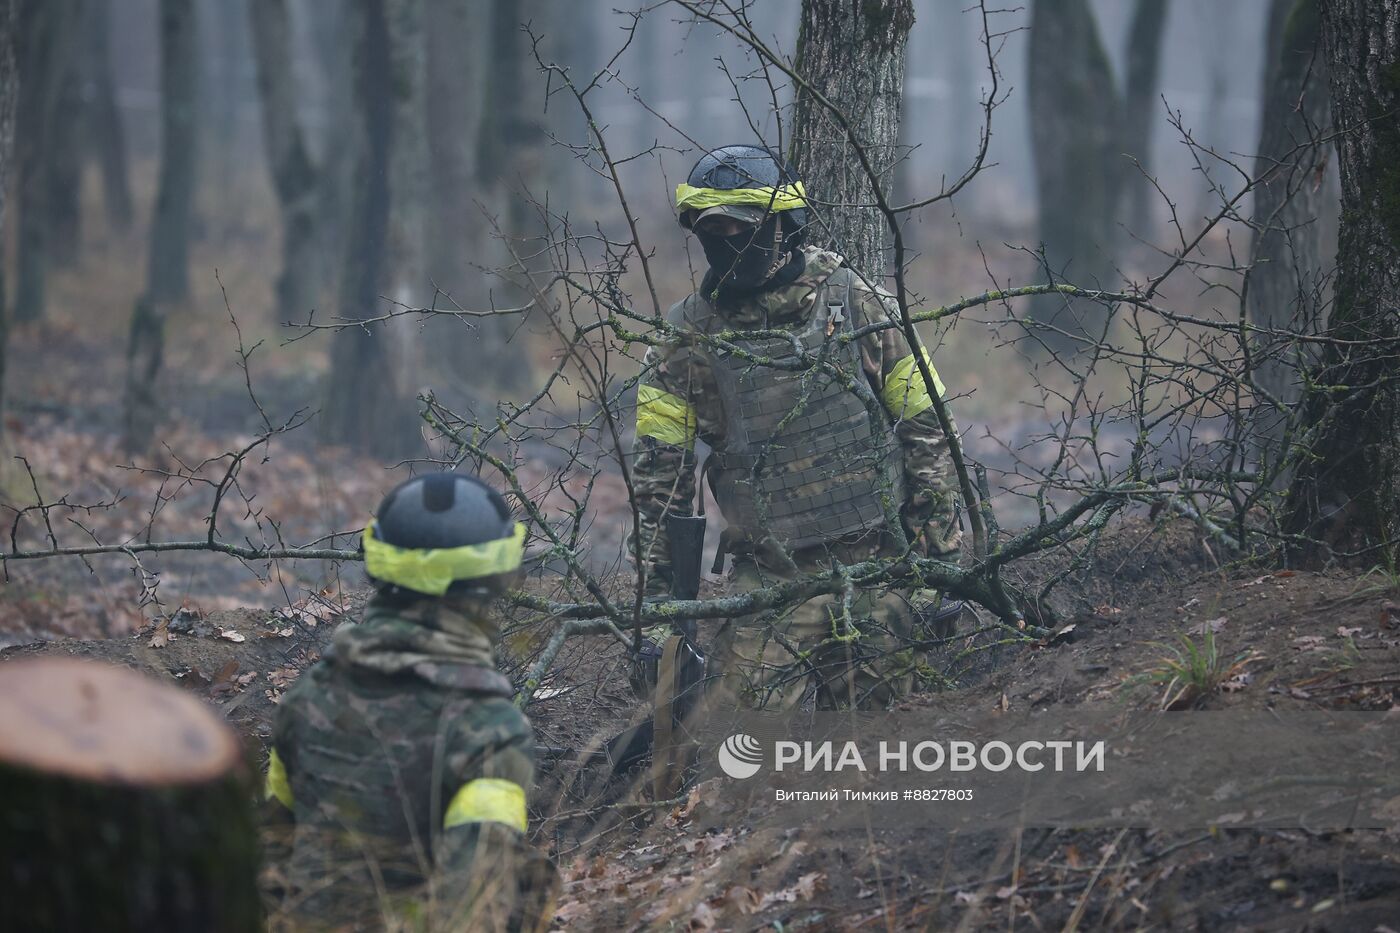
(803,890)
(1238,682)
(1308,642)
(230,635)
(1209,625)
(161,637)
(703,917)
(745,900)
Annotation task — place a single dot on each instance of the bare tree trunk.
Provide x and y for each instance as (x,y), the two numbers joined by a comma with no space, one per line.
(963,71)
(36,38)
(1141,108)
(511,170)
(145,356)
(293,176)
(1287,278)
(223,54)
(460,46)
(1351,480)
(331,30)
(105,132)
(580,52)
(408,159)
(64,139)
(9,98)
(364,406)
(853,56)
(1219,24)
(167,276)
(1074,142)
(168,263)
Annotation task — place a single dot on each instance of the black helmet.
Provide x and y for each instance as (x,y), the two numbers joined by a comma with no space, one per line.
(436,530)
(751,178)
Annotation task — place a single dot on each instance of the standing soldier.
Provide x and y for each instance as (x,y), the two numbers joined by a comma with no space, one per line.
(401,754)
(811,454)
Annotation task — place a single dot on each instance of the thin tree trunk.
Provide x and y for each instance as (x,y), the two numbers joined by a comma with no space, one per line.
(364,406)
(963,71)
(1141,108)
(293,176)
(1348,490)
(1219,25)
(1074,144)
(106,134)
(167,278)
(64,139)
(222,54)
(9,99)
(511,170)
(460,47)
(168,263)
(331,30)
(408,159)
(145,357)
(1287,278)
(853,56)
(37,34)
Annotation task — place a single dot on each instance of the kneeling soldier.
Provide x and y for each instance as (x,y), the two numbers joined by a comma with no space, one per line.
(401,754)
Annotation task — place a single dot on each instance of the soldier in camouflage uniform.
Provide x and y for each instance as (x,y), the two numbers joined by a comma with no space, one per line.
(401,754)
(807,466)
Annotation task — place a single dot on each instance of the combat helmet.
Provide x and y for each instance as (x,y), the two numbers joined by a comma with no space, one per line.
(441,533)
(747,183)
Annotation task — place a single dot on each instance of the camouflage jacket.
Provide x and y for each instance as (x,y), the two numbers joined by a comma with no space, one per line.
(678,401)
(401,748)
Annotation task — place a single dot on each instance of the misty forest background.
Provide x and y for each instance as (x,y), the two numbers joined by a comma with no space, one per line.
(201,191)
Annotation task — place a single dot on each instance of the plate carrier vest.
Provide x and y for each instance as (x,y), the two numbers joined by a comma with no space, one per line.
(803,461)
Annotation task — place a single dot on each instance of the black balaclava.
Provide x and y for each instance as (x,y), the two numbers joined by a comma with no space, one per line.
(750,260)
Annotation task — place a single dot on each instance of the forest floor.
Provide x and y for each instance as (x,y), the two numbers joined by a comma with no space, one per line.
(1287,641)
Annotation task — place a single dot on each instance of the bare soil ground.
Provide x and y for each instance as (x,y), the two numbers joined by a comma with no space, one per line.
(1287,640)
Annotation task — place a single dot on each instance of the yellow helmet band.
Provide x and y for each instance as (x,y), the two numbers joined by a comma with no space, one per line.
(786,198)
(433,570)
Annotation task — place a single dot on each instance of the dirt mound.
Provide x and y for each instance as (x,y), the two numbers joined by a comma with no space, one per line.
(1281,640)
(238,660)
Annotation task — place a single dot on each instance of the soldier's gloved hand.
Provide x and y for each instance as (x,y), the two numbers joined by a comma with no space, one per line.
(936,613)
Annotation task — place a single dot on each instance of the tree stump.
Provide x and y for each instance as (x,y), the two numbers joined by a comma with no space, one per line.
(124,805)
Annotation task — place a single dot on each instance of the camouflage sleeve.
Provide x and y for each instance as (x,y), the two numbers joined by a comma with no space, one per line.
(675,404)
(484,866)
(930,509)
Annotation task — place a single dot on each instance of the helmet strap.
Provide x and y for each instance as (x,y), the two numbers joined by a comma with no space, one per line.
(780,258)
